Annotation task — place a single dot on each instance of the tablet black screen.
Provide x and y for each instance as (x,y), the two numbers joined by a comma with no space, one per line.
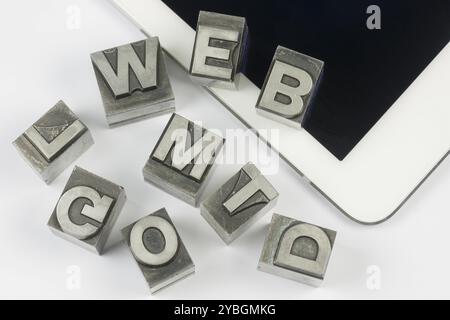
(365,71)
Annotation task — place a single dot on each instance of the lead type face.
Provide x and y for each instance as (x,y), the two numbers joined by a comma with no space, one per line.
(133,81)
(53,142)
(297,250)
(158,250)
(87,210)
(182,159)
(289,88)
(219,49)
(242,200)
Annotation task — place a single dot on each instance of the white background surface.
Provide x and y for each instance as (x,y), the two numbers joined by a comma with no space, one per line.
(44,59)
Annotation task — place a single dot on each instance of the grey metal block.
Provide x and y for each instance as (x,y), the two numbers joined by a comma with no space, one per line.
(181,161)
(133,81)
(297,250)
(241,201)
(53,142)
(289,87)
(158,250)
(87,210)
(219,50)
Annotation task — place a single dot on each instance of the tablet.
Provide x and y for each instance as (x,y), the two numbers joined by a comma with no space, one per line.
(381,120)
